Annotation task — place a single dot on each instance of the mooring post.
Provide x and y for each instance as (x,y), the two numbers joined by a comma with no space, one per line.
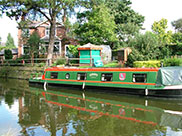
(45,84)
(83,86)
(146,92)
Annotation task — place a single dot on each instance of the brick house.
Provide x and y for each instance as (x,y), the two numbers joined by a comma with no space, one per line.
(42,28)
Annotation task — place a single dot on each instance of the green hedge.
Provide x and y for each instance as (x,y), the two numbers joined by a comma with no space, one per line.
(172,62)
(147,64)
(166,63)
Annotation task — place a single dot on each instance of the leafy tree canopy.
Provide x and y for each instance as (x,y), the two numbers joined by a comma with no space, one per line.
(123,13)
(128,22)
(177,38)
(33,45)
(177,24)
(10,41)
(147,45)
(96,26)
(160,29)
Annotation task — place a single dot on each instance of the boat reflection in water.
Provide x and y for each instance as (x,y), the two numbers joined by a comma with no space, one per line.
(33,111)
(92,108)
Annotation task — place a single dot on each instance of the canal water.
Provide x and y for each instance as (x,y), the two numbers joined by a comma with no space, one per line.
(30,111)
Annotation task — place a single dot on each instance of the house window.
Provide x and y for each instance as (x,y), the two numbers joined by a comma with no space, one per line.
(56,47)
(139,78)
(81,76)
(106,77)
(26,50)
(54,75)
(47,31)
(67,76)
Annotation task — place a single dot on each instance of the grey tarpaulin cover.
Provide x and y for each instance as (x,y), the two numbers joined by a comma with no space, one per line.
(169,76)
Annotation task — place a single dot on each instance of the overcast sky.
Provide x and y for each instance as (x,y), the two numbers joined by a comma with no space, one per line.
(153,10)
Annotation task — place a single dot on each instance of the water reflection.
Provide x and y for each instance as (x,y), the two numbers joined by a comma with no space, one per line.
(66,112)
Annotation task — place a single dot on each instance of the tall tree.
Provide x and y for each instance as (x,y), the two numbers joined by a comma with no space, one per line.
(177,24)
(127,20)
(49,9)
(33,45)
(164,36)
(96,26)
(123,13)
(10,41)
(160,29)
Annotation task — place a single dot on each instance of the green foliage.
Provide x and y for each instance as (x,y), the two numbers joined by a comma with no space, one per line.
(112,65)
(96,26)
(127,20)
(10,41)
(8,54)
(127,31)
(176,46)
(60,61)
(33,44)
(135,55)
(73,51)
(177,38)
(123,13)
(1,48)
(146,47)
(159,28)
(172,62)
(177,24)
(147,64)
(17,61)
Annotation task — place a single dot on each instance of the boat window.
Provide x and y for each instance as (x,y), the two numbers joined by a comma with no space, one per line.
(81,76)
(54,75)
(141,78)
(106,77)
(67,76)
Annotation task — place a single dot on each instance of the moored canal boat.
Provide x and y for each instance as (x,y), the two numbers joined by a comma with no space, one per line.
(162,82)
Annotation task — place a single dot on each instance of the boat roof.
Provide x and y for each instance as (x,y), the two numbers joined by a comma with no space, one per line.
(100,69)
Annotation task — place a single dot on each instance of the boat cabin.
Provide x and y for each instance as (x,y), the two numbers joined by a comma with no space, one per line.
(108,77)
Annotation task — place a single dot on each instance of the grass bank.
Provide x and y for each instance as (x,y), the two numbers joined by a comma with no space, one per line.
(18,72)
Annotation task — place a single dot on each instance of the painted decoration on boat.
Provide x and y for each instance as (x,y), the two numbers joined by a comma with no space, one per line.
(122,76)
(93,75)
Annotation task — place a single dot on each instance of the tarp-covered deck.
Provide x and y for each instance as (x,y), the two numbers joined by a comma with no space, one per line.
(168,76)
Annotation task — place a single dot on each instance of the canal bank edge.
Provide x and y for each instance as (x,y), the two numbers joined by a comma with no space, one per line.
(18,72)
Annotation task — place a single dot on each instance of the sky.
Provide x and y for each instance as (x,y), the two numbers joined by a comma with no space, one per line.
(153,10)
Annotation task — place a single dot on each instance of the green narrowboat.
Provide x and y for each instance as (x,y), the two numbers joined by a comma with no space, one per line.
(162,82)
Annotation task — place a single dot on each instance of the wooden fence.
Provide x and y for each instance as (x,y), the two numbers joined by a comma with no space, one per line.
(43,61)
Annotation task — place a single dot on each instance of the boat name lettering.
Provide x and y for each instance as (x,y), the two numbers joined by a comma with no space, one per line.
(94,75)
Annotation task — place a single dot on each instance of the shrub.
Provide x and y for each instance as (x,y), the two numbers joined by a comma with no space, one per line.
(8,54)
(60,61)
(147,64)
(172,62)
(135,55)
